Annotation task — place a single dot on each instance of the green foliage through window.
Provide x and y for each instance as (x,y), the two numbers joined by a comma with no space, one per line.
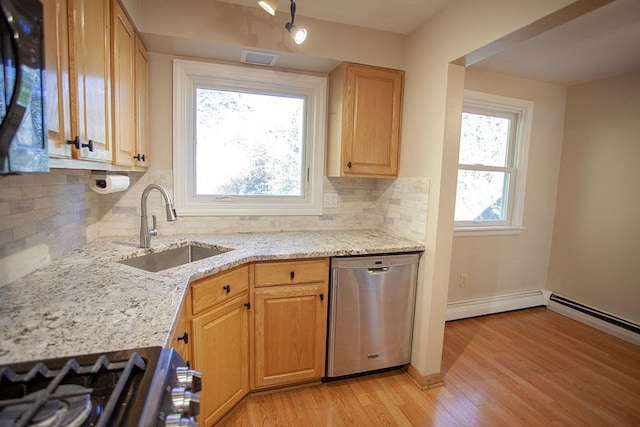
(248,144)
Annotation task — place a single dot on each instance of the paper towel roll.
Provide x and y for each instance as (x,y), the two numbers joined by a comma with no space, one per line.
(110,184)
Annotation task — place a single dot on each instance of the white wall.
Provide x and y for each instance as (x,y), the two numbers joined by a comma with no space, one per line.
(596,243)
(507,264)
(430,142)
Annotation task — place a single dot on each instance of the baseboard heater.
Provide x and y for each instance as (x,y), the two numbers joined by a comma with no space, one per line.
(605,317)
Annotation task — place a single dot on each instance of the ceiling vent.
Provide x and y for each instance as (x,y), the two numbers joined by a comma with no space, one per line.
(259,58)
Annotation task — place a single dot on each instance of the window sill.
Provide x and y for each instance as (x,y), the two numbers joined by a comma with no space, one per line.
(487,231)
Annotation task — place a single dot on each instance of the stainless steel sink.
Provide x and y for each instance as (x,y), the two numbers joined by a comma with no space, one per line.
(158,261)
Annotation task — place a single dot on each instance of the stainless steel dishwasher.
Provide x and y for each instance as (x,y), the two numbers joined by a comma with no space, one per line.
(371,313)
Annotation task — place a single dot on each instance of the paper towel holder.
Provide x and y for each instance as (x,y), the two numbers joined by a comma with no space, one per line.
(98,180)
(100,177)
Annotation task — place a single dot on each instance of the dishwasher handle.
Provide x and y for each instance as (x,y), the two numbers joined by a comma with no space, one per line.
(379,270)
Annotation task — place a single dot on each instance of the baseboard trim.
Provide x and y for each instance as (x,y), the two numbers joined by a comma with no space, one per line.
(424,382)
(605,322)
(496,304)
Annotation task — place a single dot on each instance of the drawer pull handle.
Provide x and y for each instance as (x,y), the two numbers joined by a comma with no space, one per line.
(321,297)
(248,305)
(227,288)
(293,274)
(184,337)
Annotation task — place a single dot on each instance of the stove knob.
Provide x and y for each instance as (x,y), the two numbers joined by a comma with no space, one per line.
(189,379)
(185,402)
(176,420)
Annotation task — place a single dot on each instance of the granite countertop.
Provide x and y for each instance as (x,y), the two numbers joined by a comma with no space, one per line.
(87,302)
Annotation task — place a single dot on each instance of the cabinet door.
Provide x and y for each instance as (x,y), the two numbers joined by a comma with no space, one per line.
(365,105)
(57,77)
(221,354)
(142,104)
(90,77)
(182,337)
(371,125)
(290,334)
(124,94)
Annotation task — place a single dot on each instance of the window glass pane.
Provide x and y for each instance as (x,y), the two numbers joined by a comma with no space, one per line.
(484,140)
(481,196)
(248,144)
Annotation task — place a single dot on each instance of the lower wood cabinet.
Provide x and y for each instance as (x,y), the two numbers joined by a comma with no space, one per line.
(221,354)
(290,322)
(290,334)
(181,335)
(255,326)
(220,340)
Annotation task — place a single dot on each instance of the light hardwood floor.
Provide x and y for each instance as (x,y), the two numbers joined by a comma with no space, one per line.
(530,367)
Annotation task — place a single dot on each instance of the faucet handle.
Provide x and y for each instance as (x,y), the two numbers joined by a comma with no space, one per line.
(153,231)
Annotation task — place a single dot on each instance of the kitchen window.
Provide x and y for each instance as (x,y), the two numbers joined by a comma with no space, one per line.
(247,141)
(494,144)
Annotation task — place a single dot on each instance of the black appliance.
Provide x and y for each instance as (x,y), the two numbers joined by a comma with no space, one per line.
(23,129)
(150,386)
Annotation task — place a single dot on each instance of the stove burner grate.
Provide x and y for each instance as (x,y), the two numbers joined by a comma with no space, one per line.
(69,406)
(62,404)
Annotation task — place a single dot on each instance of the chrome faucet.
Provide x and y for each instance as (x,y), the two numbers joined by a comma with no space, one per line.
(145,232)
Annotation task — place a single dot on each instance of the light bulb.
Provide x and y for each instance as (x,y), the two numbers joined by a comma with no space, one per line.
(269,6)
(298,34)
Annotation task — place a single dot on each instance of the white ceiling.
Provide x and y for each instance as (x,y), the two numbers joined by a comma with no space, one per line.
(396,16)
(603,43)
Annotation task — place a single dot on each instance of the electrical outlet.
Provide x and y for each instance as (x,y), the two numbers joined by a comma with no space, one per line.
(330,200)
(464,280)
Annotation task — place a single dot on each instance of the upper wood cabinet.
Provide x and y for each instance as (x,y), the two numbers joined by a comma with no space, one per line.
(364,122)
(97,83)
(142,105)
(90,77)
(130,93)
(57,77)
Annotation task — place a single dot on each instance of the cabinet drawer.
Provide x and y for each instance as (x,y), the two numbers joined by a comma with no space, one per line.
(210,291)
(291,272)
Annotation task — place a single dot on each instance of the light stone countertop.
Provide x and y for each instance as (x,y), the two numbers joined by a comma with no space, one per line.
(87,302)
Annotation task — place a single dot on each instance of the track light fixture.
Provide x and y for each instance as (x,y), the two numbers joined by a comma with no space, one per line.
(269,6)
(298,34)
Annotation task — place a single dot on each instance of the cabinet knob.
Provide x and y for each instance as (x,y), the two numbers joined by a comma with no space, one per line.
(184,337)
(77,142)
(321,297)
(248,305)
(227,288)
(349,165)
(292,274)
(139,157)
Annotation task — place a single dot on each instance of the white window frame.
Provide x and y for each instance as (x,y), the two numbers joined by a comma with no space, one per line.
(189,75)
(484,103)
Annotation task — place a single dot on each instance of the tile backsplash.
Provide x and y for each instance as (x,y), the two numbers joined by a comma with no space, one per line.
(42,216)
